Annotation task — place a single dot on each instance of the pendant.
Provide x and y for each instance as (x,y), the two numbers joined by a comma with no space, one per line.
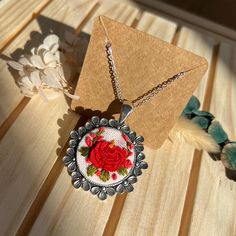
(105,156)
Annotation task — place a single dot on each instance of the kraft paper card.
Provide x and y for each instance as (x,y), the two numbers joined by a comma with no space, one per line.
(142,62)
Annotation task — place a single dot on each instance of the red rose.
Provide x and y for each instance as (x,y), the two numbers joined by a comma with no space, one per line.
(128,164)
(98,172)
(107,156)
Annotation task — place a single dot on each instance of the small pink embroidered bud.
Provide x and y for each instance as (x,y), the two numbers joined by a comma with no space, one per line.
(128,164)
(114,176)
(98,173)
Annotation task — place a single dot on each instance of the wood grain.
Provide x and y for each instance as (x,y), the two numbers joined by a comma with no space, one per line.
(74,212)
(214,208)
(15,15)
(161,192)
(30,147)
(117,10)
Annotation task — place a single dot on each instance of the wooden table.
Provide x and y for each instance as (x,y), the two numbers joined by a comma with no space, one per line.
(189,195)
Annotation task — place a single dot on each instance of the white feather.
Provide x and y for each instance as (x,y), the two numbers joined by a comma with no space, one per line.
(186,131)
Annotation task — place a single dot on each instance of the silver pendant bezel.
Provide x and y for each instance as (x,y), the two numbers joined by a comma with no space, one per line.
(80,181)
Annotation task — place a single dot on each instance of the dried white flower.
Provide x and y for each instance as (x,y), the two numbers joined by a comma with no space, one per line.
(42,71)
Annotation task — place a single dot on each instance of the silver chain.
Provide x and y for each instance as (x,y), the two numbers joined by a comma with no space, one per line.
(113,74)
(146,96)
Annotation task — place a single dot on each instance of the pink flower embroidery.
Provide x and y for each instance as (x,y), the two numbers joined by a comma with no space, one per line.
(130,145)
(98,173)
(125,137)
(88,141)
(128,164)
(101,129)
(130,154)
(92,135)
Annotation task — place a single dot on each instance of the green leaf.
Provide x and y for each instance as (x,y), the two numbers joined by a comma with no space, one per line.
(205,114)
(84,151)
(193,104)
(228,156)
(122,171)
(91,170)
(201,121)
(98,133)
(105,176)
(217,132)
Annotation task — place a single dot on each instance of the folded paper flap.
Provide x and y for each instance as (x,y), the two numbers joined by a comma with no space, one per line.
(142,62)
(157,60)
(159,46)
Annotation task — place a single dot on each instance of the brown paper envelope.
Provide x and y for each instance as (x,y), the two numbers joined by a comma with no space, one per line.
(142,62)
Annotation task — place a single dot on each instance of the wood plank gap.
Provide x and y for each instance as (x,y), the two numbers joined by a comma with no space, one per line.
(210,82)
(137,19)
(25,23)
(197,156)
(13,116)
(190,194)
(176,35)
(115,215)
(87,18)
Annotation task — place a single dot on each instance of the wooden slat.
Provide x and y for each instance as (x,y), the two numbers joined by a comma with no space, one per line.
(203,45)
(116,9)
(214,209)
(159,197)
(53,19)
(77,212)
(30,147)
(157,26)
(14,15)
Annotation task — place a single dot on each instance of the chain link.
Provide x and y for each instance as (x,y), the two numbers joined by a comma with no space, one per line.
(113,74)
(146,96)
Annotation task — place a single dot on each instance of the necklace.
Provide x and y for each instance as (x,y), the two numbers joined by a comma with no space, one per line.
(105,156)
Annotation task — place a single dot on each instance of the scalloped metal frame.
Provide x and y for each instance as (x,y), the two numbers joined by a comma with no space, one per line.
(80,181)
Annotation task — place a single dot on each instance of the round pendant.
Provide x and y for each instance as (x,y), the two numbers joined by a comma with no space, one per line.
(105,157)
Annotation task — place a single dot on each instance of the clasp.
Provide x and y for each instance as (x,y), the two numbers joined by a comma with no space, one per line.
(126,109)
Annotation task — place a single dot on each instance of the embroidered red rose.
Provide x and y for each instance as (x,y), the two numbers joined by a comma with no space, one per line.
(107,156)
